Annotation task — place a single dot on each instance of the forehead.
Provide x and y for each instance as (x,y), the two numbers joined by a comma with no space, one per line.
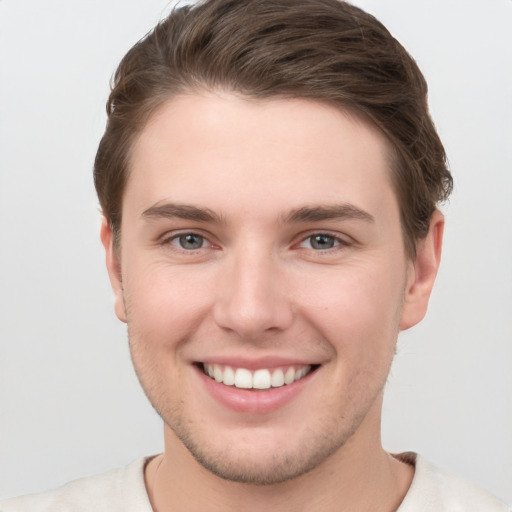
(222,147)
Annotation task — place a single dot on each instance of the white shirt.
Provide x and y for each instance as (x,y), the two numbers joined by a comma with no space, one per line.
(123,490)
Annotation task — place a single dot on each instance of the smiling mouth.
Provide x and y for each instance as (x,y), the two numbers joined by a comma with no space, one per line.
(263,378)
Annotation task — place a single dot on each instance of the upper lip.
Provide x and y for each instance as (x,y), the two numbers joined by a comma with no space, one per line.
(257,363)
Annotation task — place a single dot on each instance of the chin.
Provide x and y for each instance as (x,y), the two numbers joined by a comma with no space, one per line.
(255,460)
(269,469)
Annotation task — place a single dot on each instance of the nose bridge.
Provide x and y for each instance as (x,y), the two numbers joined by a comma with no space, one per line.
(252,298)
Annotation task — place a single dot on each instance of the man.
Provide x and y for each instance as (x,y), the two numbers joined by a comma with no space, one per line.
(269,179)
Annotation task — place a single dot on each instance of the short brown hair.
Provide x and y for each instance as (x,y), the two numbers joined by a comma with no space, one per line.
(325,50)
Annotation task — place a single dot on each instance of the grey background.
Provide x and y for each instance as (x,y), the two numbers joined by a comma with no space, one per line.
(70,404)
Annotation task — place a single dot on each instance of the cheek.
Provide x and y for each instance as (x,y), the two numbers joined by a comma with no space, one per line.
(357,309)
(164,304)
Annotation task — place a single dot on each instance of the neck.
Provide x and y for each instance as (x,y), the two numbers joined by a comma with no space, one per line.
(360,476)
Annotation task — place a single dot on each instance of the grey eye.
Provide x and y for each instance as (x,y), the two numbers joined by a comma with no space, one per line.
(190,241)
(322,242)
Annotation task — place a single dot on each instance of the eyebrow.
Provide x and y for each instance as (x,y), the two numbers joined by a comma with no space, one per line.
(328,212)
(182,211)
(302,214)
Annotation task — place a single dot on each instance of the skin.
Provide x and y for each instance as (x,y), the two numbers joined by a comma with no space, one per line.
(257,290)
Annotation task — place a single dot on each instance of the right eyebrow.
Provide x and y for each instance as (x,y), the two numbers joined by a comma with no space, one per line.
(182,211)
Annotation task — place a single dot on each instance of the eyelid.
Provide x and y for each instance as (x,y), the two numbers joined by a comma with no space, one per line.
(340,239)
(170,236)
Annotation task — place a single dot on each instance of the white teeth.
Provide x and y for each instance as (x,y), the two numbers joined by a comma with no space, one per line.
(229,376)
(243,378)
(289,376)
(260,379)
(217,373)
(301,373)
(277,378)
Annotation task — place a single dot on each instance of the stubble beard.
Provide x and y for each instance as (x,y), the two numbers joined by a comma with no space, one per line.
(278,467)
(323,442)
(279,464)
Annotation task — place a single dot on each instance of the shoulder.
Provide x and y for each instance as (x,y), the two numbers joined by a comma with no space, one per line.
(119,490)
(435,490)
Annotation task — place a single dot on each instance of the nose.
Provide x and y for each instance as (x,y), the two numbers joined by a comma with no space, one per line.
(252,299)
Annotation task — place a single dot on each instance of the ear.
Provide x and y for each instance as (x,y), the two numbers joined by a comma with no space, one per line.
(422,273)
(113,268)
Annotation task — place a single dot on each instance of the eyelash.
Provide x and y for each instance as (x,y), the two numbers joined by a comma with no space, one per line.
(336,241)
(181,236)
(176,240)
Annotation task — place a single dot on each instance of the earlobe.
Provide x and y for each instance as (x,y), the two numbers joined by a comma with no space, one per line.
(113,268)
(423,273)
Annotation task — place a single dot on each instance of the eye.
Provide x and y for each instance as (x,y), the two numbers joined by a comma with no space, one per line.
(189,241)
(320,241)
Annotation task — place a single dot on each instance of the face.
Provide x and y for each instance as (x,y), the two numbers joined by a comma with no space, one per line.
(263,278)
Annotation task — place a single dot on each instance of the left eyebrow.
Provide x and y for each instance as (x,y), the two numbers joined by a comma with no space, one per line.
(327,212)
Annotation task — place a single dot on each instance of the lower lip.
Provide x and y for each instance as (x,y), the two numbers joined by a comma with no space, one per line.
(253,401)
